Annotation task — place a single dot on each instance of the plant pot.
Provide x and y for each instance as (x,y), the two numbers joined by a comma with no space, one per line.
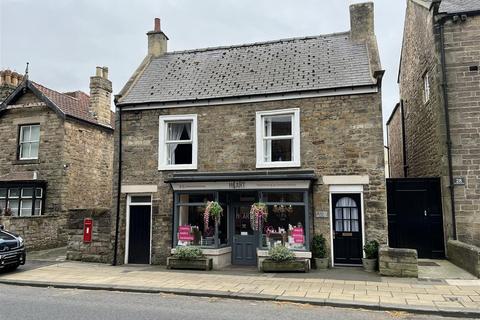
(321,263)
(369,265)
(285,266)
(195,264)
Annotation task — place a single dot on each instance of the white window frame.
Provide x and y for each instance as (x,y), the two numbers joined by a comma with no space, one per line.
(260,139)
(162,145)
(426,87)
(28,142)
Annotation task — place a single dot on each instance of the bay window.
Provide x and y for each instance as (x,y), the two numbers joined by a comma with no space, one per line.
(177,142)
(22,200)
(278,138)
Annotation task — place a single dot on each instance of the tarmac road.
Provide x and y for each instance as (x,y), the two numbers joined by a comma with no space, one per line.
(21,302)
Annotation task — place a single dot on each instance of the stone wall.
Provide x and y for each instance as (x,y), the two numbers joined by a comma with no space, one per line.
(39,232)
(395,143)
(88,154)
(462,45)
(49,165)
(339,136)
(398,262)
(100,248)
(465,256)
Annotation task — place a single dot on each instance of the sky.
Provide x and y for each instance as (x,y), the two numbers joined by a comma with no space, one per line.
(64,40)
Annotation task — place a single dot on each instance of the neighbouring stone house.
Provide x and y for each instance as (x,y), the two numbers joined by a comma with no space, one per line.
(56,155)
(293,123)
(435,129)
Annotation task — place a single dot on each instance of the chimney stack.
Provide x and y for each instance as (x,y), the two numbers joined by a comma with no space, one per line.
(362,30)
(157,40)
(100,96)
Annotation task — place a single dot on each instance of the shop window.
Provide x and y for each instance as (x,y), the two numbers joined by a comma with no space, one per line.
(28,142)
(21,201)
(192,229)
(178,142)
(278,138)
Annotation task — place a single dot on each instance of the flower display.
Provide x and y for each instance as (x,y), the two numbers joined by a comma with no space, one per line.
(258,215)
(213,209)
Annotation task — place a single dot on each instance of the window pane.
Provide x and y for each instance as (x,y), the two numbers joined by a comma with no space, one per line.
(26,208)
(346,213)
(3,205)
(3,192)
(38,207)
(137,199)
(354,212)
(14,193)
(338,213)
(179,131)
(192,229)
(24,150)
(346,225)
(355,226)
(278,126)
(27,192)
(34,133)
(338,225)
(282,150)
(196,197)
(25,133)
(285,226)
(38,192)
(346,202)
(13,205)
(283,197)
(33,150)
(179,153)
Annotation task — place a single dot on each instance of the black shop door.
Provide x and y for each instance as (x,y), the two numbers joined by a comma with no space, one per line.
(139,235)
(415,216)
(347,229)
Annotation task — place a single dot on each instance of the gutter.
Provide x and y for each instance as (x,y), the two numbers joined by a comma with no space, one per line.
(119,181)
(444,84)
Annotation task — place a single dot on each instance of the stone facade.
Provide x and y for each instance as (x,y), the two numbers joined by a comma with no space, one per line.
(100,248)
(340,136)
(425,122)
(74,163)
(395,143)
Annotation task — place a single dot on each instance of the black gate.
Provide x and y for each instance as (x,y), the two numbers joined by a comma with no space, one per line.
(415,216)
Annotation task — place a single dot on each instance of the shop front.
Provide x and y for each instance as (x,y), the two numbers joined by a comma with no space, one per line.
(238,237)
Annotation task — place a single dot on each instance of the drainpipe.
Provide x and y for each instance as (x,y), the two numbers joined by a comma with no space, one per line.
(440,26)
(119,184)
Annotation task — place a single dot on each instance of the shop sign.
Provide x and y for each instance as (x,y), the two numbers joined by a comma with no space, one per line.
(184,233)
(297,234)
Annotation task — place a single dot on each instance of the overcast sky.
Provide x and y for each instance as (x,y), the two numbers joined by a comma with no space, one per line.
(65,39)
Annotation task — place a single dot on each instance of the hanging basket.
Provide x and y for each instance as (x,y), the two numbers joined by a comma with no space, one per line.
(258,215)
(214,210)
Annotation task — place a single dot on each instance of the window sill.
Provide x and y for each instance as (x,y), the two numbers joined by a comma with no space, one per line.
(278,165)
(26,161)
(177,168)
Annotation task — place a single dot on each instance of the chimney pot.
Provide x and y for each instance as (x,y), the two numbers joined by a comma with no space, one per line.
(99,72)
(156,27)
(105,72)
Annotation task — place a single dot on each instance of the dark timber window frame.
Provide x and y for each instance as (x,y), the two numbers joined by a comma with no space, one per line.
(35,186)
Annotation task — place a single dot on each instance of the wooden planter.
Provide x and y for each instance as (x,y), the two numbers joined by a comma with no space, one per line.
(197,264)
(286,266)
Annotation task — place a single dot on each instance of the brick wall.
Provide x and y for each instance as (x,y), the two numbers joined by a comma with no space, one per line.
(395,143)
(462,47)
(88,152)
(39,232)
(339,136)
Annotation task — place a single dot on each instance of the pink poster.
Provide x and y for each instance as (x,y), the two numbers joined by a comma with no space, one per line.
(297,234)
(184,233)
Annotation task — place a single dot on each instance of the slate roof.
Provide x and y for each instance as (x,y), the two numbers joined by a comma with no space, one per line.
(74,104)
(459,6)
(282,66)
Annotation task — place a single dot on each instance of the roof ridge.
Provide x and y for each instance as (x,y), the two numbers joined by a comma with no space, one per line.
(259,43)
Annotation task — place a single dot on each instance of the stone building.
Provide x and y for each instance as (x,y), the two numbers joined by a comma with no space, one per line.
(295,124)
(57,154)
(435,129)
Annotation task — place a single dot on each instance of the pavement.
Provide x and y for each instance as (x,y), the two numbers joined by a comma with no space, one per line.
(456,297)
(31,303)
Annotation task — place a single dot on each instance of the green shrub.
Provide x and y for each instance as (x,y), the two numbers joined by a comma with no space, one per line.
(281,254)
(319,246)
(188,253)
(371,249)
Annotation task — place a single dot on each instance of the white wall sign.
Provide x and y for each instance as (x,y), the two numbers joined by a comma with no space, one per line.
(241,185)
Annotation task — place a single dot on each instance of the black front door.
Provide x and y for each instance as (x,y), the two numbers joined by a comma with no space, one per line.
(347,228)
(139,235)
(415,216)
(244,238)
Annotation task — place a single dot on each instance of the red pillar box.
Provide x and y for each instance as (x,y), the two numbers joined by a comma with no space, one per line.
(87,230)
